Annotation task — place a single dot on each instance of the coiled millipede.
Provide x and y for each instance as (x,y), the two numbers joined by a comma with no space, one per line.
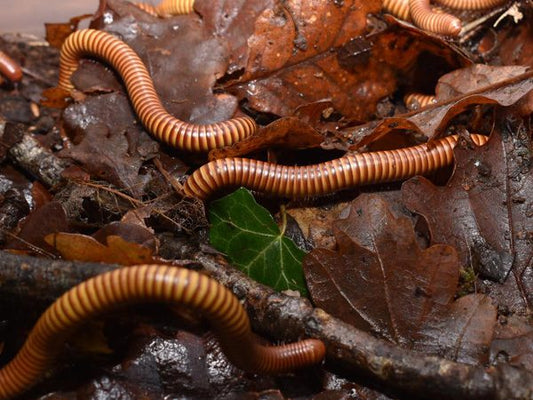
(425,18)
(167,7)
(10,68)
(139,85)
(160,283)
(328,177)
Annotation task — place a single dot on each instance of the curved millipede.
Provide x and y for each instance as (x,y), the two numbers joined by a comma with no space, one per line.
(161,283)
(328,177)
(415,101)
(156,119)
(471,4)
(398,8)
(168,7)
(10,68)
(425,18)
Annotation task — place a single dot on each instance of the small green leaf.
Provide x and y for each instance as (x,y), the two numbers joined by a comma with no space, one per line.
(252,241)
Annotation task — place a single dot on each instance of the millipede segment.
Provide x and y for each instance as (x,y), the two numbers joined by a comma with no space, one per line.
(10,68)
(415,101)
(145,101)
(471,4)
(154,283)
(328,177)
(398,8)
(168,8)
(425,18)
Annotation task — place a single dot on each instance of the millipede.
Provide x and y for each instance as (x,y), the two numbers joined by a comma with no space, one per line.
(415,101)
(471,4)
(168,8)
(328,177)
(146,103)
(10,68)
(425,18)
(398,8)
(154,283)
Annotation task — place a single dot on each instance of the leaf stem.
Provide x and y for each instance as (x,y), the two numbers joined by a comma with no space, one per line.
(283,213)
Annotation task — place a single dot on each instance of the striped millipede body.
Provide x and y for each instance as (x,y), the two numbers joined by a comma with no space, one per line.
(328,177)
(425,18)
(398,8)
(471,4)
(10,68)
(415,101)
(161,283)
(168,7)
(156,119)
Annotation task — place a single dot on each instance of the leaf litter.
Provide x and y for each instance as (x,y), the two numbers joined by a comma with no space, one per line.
(397,269)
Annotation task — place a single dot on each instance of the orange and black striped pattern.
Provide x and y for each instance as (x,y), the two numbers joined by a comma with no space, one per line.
(168,8)
(416,101)
(159,283)
(471,4)
(426,18)
(165,127)
(328,177)
(398,8)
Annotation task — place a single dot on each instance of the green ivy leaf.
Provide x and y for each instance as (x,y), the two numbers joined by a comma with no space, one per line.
(252,241)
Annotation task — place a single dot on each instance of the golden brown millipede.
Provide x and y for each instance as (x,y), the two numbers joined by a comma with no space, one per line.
(398,8)
(471,4)
(10,68)
(160,283)
(415,101)
(425,18)
(328,177)
(156,119)
(168,7)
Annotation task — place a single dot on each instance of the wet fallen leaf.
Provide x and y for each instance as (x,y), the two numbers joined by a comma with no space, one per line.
(293,61)
(485,209)
(56,33)
(480,77)
(433,120)
(289,133)
(48,219)
(513,342)
(111,145)
(380,280)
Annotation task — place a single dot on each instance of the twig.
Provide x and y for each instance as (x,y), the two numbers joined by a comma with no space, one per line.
(27,153)
(397,371)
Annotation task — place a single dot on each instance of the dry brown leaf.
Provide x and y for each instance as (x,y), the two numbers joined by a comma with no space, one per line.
(56,33)
(74,246)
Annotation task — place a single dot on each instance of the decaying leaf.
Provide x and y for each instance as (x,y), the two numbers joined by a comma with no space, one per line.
(47,219)
(434,119)
(117,243)
(56,33)
(513,342)
(287,132)
(485,209)
(293,60)
(380,280)
(107,141)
